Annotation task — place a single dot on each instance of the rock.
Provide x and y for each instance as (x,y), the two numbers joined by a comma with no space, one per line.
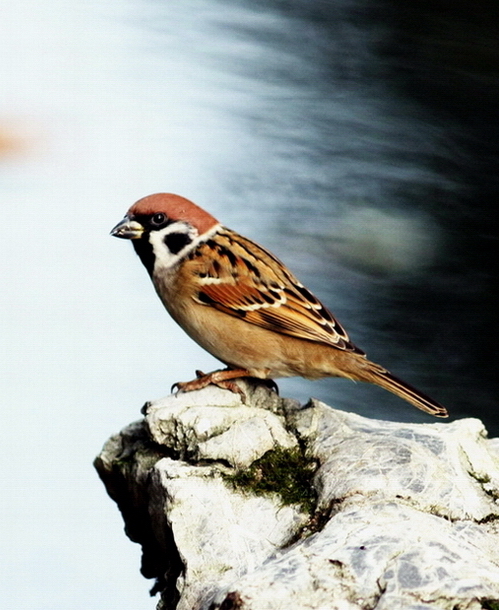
(210,425)
(271,505)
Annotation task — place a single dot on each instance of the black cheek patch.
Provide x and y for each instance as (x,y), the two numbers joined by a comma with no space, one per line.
(176,241)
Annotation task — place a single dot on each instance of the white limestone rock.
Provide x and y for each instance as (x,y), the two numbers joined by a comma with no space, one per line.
(220,534)
(406,517)
(447,469)
(385,556)
(214,424)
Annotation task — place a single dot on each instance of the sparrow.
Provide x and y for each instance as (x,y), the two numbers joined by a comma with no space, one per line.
(242,304)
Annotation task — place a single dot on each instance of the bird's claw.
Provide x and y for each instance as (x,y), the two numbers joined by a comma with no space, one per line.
(224,379)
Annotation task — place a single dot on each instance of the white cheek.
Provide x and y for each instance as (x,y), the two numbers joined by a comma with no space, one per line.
(164,257)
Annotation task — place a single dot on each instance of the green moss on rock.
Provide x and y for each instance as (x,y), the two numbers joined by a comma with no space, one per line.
(286,472)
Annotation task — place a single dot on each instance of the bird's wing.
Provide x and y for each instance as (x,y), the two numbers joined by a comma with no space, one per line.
(240,278)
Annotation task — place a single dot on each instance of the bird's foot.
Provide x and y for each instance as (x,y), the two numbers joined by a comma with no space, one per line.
(222,379)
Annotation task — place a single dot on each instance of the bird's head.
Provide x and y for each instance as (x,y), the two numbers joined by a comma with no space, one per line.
(163,228)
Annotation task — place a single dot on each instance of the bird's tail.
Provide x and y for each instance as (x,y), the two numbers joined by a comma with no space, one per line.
(402,389)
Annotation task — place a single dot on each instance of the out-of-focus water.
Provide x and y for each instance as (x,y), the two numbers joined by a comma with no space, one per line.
(304,125)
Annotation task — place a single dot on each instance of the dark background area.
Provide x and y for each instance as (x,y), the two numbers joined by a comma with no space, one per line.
(389,108)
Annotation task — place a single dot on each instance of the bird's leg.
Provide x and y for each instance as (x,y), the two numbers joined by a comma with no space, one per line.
(222,379)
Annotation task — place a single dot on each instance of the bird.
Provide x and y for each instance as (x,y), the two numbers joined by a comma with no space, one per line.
(243,305)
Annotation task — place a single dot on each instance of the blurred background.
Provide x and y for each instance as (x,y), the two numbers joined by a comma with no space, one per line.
(356,139)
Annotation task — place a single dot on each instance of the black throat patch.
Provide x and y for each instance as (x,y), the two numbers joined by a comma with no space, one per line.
(145,252)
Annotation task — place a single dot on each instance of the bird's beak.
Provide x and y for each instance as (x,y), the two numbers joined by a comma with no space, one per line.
(128,229)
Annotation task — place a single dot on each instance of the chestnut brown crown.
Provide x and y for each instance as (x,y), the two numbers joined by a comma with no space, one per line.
(176,208)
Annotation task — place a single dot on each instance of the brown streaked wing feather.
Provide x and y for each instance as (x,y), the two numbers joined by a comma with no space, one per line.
(240,278)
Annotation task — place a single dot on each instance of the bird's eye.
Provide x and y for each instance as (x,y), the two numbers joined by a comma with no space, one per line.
(158,219)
